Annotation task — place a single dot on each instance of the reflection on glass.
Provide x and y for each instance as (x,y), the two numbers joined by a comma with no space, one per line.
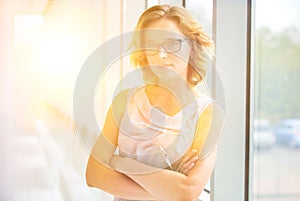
(276,132)
(50,42)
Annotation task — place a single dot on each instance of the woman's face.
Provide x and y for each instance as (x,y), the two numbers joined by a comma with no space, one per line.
(166,48)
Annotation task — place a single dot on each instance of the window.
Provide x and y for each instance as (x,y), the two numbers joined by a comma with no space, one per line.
(276,99)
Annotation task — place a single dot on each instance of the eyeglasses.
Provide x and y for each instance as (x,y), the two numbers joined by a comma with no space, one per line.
(170,46)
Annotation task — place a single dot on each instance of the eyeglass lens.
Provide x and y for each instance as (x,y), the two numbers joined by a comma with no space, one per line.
(170,46)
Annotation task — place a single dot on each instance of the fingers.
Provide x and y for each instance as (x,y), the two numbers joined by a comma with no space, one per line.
(186,167)
(187,157)
(187,163)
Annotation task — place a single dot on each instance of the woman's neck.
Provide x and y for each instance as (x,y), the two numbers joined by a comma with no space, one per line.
(169,99)
(163,99)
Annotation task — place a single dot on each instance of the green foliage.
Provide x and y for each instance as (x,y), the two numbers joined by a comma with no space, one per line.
(277,74)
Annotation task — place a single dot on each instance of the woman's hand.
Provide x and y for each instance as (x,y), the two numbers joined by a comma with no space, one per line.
(188,162)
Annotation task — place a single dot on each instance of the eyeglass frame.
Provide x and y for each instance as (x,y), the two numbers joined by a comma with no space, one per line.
(161,45)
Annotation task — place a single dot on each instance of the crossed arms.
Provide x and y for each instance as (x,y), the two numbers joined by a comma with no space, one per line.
(108,172)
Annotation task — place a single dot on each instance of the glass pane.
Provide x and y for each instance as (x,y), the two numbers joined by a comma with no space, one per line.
(276,127)
(203,12)
(51,41)
(171,2)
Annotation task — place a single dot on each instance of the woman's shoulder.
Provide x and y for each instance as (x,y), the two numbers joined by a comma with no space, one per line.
(122,96)
(119,103)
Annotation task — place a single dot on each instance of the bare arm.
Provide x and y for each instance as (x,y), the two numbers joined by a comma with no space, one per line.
(99,174)
(171,185)
(117,184)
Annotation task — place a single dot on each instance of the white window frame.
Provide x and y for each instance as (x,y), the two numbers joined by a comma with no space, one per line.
(231,173)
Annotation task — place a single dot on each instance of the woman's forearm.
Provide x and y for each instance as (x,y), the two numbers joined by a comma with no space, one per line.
(113,182)
(165,184)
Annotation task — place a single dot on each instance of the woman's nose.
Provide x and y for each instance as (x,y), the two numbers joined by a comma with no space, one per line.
(162,53)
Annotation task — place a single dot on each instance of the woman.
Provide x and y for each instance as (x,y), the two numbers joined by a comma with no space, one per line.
(162,130)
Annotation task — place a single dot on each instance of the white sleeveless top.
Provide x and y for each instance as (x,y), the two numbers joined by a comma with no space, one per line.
(148,135)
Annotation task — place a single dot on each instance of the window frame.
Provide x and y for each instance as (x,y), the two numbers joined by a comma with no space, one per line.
(232,29)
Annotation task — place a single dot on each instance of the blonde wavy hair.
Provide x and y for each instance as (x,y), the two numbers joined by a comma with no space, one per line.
(202,45)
